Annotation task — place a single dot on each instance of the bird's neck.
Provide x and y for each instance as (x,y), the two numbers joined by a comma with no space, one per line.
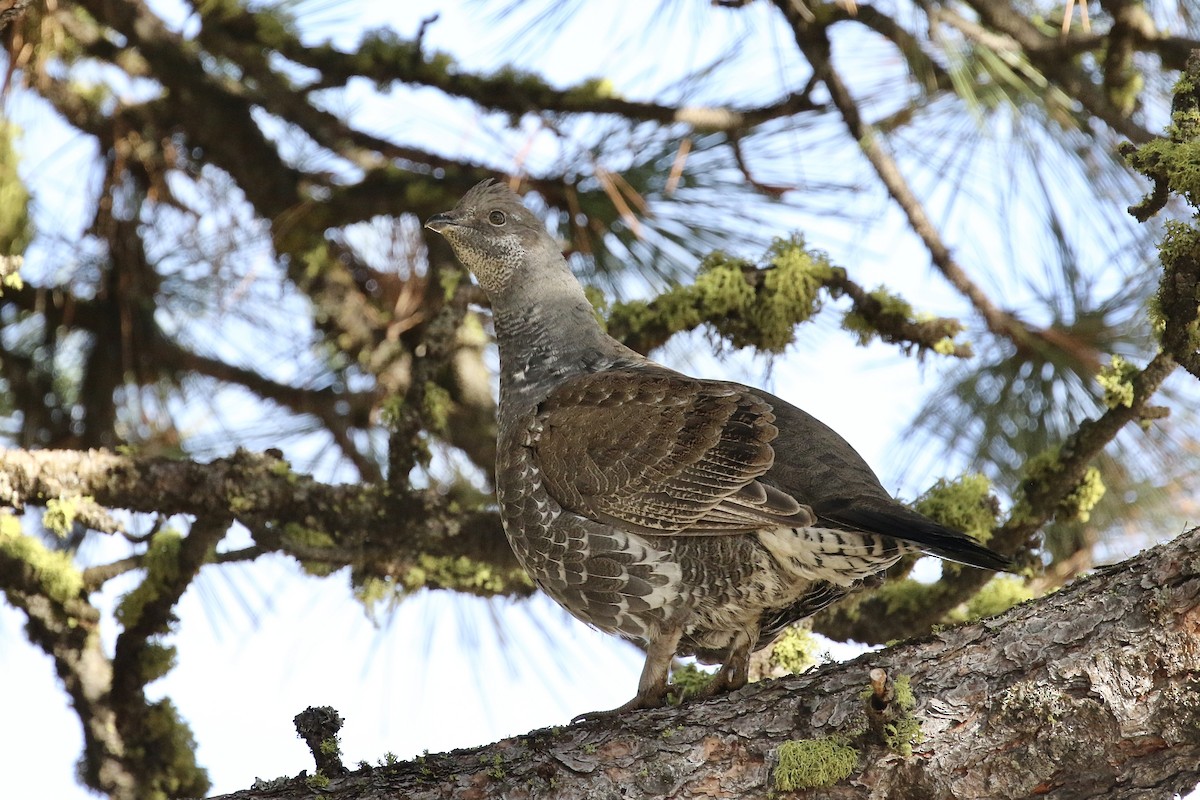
(546,339)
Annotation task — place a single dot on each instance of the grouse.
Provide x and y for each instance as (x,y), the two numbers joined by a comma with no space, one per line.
(693,517)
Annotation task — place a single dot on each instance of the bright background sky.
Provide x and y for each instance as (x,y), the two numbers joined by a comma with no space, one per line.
(259,642)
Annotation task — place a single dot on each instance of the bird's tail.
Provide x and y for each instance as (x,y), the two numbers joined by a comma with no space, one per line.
(907,525)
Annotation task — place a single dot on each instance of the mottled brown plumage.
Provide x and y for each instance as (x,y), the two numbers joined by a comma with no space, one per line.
(691,516)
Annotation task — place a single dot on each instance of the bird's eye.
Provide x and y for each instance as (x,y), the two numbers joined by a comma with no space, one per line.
(497,218)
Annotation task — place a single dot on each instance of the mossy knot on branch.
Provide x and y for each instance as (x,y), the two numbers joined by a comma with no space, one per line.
(747,304)
(1042,474)
(318,726)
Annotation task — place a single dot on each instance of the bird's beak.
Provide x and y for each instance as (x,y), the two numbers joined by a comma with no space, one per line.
(439,222)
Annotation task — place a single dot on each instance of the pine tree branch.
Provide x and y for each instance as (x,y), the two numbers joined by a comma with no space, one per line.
(378,532)
(1089,692)
(872,619)
(66,626)
(813,41)
(648,325)
(1044,51)
(11,11)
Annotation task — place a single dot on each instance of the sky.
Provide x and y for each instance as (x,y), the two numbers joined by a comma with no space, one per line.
(259,642)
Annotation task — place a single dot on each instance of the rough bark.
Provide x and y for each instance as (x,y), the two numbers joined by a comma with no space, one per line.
(1091,692)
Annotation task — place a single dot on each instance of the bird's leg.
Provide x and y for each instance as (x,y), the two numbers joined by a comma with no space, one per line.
(652,685)
(735,672)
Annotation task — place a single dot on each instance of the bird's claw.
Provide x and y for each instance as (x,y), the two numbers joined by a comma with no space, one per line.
(654,699)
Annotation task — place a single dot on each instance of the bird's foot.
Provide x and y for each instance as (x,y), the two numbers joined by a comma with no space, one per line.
(651,699)
(720,684)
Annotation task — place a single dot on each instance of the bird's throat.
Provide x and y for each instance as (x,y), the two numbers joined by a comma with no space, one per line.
(542,343)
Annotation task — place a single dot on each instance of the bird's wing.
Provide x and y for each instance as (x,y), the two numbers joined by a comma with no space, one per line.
(661,454)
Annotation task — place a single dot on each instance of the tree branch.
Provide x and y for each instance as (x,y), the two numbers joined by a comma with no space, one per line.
(66,626)
(378,532)
(777,295)
(874,619)
(1089,692)
(1045,52)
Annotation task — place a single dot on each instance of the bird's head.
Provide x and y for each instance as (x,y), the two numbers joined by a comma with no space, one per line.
(496,237)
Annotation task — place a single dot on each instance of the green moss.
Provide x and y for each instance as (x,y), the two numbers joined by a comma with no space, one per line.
(240,504)
(749,306)
(317,780)
(1178,162)
(792,292)
(899,727)
(814,763)
(495,769)
(889,305)
(944,346)
(686,681)
(164,744)
(891,318)
(457,573)
(282,469)
(1117,381)
(60,514)
(995,597)
(720,288)
(1076,505)
(330,747)
(450,573)
(10,273)
(904,731)
(161,562)
(54,571)
(904,697)
(298,535)
(16,228)
(763,316)
(1079,503)
(795,650)
(155,660)
(391,410)
(965,504)
(591,90)
(436,406)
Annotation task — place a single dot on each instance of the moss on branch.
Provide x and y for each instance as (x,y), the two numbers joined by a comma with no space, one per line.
(814,763)
(52,572)
(965,504)
(1172,163)
(375,531)
(760,305)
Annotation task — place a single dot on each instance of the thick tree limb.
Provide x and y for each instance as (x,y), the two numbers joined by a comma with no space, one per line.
(1090,692)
